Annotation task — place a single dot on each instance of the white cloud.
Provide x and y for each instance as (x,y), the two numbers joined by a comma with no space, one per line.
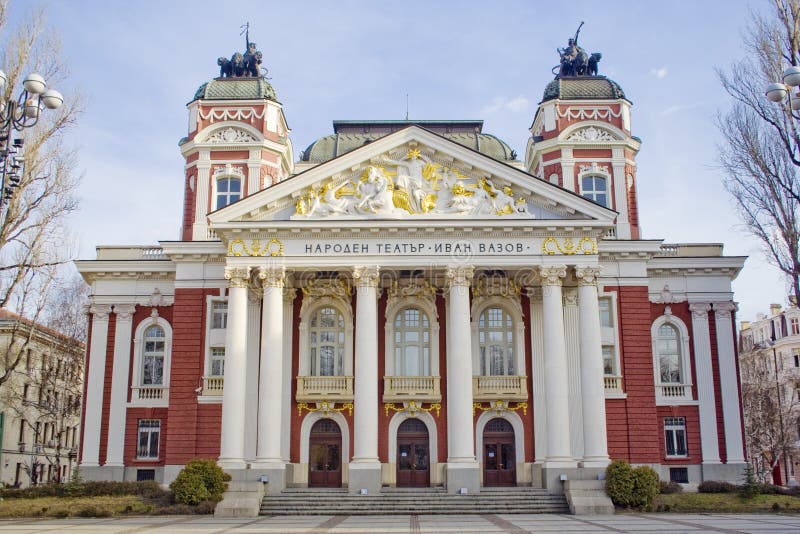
(659,73)
(502,103)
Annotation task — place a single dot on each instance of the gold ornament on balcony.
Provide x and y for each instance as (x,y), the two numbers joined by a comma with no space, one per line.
(326,408)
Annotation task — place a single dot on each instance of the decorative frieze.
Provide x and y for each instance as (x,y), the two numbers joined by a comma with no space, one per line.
(569,246)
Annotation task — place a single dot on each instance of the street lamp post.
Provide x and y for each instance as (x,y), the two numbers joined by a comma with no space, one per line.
(16,114)
(781,92)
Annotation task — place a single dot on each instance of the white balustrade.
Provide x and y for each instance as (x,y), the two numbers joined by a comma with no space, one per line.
(613,384)
(497,387)
(150,393)
(318,388)
(674,391)
(213,385)
(421,388)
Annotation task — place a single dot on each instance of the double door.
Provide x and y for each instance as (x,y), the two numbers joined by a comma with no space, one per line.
(325,455)
(499,454)
(413,454)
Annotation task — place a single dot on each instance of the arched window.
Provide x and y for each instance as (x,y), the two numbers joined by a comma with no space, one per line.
(153,356)
(412,343)
(595,188)
(496,342)
(326,335)
(229,190)
(668,349)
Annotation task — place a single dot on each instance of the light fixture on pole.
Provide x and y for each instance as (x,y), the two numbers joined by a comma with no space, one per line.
(781,92)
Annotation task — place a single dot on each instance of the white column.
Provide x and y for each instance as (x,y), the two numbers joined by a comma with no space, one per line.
(95,378)
(202,187)
(595,443)
(568,169)
(231,453)
(251,386)
(573,353)
(537,374)
(701,339)
(729,382)
(119,384)
(254,172)
(555,369)
(270,388)
(288,329)
(620,194)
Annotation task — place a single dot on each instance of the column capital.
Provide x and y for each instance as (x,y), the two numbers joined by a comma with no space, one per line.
(289,294)
(723,309)
(366,275)
(587,276)
(552,275)
(534,293)
(460,275)
(699,310)
(100,311)
(237,276)
(124,311)
(272,277)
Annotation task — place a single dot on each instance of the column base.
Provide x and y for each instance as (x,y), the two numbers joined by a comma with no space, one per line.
(275,473)
(232,464)
(102,473)
(597,461)
(560,462)
(462,475)
(552,476)
(724,472)
(364,475)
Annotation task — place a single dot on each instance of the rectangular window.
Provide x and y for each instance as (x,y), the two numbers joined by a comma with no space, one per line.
(795,325)
(675,436)
(219,314)
(608,360)
(37,433)
(149,435)
(679,475)
(22,424)
(604,303)
(145,474)
(217,361)
(796,357)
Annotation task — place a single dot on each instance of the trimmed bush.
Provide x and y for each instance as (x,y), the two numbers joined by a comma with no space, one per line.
(200,472)
(619,483)
(716,486)
(665,488)
(645,487)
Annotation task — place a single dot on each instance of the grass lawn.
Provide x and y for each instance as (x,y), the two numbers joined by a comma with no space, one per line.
(74,507)
(725,503)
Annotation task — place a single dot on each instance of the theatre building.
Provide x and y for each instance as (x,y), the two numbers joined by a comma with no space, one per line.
(408,303)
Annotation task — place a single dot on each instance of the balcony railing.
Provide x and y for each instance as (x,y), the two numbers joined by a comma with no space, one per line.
(674,391)
(487,388)
(319,388)
(213,385)
(612,383)
(403,388)
(150,393)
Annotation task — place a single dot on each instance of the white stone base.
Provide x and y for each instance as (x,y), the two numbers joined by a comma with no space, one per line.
(102,473)
(551,476)
(588,497)
(365,475)
(243,499)
(463,475)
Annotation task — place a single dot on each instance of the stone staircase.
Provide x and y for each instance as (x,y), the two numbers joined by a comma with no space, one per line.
(419,501)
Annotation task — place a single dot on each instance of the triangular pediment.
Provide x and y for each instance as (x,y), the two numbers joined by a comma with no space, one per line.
(412,175)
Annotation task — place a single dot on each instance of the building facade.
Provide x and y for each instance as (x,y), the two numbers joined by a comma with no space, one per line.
(408,304)
(39,402)
(769,356)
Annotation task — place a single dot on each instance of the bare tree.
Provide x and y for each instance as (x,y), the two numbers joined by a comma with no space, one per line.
(33,231)
(761,149)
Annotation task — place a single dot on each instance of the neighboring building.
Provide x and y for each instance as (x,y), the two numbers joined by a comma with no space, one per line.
(39,403)
(410,305)
(769,358)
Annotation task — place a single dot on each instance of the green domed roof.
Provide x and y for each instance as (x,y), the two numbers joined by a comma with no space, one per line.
(235,89)
(354,134)
(583,88)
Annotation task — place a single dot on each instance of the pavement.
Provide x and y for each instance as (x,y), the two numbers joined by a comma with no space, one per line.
(416,524)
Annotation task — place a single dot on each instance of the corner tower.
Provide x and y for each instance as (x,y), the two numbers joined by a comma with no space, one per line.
(581,138)
(237,143)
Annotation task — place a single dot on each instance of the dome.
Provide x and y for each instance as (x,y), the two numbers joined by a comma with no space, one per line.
(235,89)
(350,136)
(583,88)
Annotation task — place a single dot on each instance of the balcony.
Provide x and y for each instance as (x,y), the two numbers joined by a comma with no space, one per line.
(157,395)
(213,385)
(488,388)
(672,393)
(613,384)
(404,388)
(324,388)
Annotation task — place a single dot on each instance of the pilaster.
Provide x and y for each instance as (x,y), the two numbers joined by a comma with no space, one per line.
(537,372)
(95,378)
(701,341)
(572,347)
(119,384)
(729,382)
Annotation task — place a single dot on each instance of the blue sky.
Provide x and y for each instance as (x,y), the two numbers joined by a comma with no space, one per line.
(139,63)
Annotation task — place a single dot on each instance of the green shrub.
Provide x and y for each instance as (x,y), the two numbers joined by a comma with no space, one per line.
(189,488)
(74,488)
(645,487)
(715,486)
(665,488)
(213,479)
(619,483)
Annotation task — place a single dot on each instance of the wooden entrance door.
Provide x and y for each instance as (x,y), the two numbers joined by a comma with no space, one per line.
(413,458)
(499,455)
(325,455)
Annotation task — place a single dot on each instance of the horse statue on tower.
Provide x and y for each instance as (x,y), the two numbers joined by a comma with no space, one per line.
(247,65)
(575,61)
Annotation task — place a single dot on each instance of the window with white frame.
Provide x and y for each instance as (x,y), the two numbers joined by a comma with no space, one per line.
(412,343)
(326,336)
(604,305)
(796,357)
(675,436)
(496,342)
(795,325)
(219,314)
(609,361)
(153,356)
(668,349)
(148,439)
(595,188)
(229,190)
(217,366)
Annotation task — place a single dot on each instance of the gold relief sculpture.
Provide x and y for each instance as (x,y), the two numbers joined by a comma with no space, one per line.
(325,408)
(412,407)
(500,406)
(585,245)
(255,248)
